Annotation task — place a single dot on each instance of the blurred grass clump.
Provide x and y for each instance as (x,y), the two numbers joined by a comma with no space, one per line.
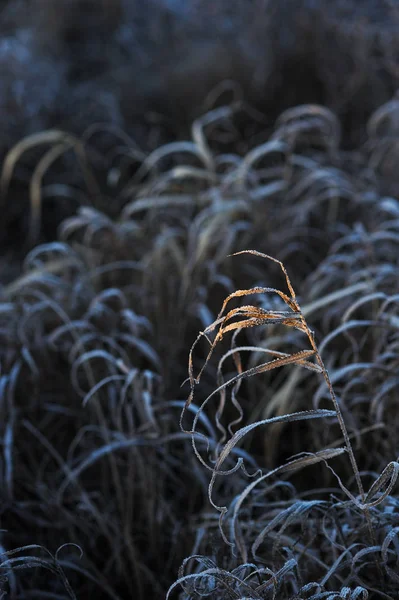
(269,469)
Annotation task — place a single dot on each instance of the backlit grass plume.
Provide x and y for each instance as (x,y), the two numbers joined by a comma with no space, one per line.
(272,561)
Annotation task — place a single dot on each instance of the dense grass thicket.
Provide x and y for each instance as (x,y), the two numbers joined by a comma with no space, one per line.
(199,300)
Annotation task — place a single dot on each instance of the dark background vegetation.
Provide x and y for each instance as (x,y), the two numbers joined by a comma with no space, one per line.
(141,143)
